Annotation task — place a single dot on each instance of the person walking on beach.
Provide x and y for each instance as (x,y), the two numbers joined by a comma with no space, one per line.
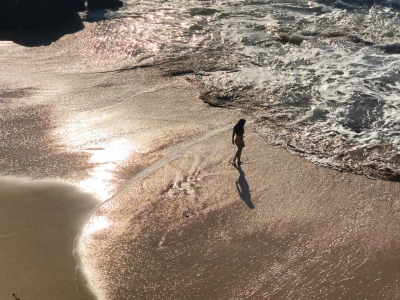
(238,130)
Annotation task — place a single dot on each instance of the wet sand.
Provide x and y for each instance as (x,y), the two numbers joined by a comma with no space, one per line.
(95,130)
(193,226)
(181,221)
(38,226)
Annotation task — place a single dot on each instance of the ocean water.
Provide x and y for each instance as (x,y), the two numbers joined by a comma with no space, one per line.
(321,77)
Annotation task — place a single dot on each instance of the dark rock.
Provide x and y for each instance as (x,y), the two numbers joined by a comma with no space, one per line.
(295,39)
(103,4)
(37,13)
(390,48)
(343,5)
(203,12)
(8,9)
(355,38)
(44,36)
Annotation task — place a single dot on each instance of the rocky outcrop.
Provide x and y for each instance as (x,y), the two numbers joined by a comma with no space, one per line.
(37,13)
(101,4)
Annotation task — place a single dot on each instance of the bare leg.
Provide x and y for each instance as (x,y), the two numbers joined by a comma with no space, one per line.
(238,154)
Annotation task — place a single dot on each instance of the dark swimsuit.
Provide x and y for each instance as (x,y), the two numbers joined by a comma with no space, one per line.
(239,131)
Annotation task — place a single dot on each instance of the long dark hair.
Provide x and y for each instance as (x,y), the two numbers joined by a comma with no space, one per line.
(239,127)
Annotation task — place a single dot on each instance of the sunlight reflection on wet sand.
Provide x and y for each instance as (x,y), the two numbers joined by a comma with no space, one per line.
(95,224)
(107,153)
(101,178)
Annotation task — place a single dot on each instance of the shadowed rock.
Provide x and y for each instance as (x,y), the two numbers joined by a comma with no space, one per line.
(37,13)
(101,4)
(34,37)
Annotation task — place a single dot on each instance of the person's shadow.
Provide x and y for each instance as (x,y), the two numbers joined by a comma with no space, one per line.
(243,187)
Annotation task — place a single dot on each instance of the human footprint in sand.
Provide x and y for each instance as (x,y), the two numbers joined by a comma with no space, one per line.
(238,130)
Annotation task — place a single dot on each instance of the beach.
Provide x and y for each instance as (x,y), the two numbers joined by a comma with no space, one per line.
(117,182)
(196,227)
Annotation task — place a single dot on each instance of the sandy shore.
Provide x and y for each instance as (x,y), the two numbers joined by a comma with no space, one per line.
(182,221)
(39,223)
(193,226)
